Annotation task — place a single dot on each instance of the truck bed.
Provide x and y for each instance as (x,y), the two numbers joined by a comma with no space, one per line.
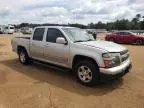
(21,41)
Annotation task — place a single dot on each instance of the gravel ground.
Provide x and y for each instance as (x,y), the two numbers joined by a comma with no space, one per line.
(37,86)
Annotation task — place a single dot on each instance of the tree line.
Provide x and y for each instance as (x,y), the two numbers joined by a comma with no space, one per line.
(136,23)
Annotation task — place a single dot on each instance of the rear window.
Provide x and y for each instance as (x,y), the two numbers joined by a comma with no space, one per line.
(11,27)
(38,34)
(126,33)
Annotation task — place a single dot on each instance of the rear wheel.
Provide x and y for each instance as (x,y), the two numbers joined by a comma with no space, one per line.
(87,72)
(139,42)
(23,57)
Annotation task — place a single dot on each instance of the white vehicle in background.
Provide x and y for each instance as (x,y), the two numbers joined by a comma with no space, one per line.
(9,29)
(1,30)
(26,30)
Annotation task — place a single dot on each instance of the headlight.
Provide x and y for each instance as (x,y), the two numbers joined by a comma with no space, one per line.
(111,59)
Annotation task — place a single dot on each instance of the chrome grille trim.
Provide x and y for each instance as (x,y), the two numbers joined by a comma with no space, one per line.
(124,55)
(123,52)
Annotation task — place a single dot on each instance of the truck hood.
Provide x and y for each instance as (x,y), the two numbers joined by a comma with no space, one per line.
(105,45)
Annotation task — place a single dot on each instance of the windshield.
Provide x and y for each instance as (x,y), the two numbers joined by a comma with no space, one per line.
(78,35)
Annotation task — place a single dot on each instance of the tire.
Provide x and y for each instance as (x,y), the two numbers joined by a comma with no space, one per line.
(91,74)
(139,42)
(23,57)
(111,40)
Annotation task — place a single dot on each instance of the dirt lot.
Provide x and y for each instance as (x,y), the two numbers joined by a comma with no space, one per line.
(37,86)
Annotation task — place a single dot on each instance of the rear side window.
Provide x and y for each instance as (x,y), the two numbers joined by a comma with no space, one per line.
(53,34)
(120,33)
(38,34)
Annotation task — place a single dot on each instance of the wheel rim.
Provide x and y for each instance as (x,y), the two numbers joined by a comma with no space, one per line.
(22,57)
(139,42)
(112,40)
(85,74)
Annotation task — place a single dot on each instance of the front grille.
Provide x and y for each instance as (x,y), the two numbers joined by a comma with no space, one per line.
(124,52)
(116,61)
(124,55)
(124,58)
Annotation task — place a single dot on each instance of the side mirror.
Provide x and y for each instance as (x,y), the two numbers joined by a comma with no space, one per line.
(61,40)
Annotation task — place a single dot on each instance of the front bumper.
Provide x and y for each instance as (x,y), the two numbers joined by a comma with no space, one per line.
(116,72)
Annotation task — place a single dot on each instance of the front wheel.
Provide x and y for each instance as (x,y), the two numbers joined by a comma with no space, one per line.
(87,72)
(23,57)
(111,40)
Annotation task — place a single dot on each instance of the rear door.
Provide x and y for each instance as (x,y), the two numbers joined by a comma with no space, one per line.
(54,52)
(36,44)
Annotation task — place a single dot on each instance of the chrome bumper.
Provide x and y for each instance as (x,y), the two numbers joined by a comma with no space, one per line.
(116,70)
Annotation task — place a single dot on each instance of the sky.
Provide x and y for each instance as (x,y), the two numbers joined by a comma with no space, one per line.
(67,11)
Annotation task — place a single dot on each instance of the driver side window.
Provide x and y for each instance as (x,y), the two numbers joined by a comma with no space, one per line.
(53,34)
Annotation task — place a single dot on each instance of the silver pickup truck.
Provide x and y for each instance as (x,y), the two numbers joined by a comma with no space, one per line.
(75,49)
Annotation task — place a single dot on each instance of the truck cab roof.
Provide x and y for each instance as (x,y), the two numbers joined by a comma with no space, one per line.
(54,27)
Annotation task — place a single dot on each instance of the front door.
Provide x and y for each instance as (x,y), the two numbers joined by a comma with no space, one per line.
(53,51)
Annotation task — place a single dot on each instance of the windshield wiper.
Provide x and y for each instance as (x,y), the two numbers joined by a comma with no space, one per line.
(83,40)
(79,41)
(90,40)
